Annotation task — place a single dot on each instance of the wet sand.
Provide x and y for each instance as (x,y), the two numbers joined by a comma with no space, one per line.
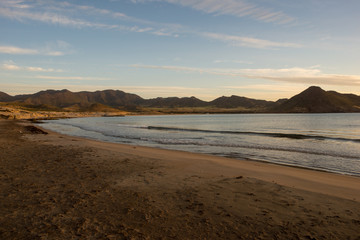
(60,187)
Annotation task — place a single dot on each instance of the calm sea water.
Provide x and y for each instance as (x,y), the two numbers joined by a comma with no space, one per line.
(329,142)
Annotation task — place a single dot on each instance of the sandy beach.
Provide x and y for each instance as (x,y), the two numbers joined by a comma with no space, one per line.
(60,187)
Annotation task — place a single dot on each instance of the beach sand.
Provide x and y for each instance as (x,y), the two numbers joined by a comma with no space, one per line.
(60,187)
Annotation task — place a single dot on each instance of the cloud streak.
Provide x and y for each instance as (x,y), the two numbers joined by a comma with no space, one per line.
(249,42)
(80,78)
(18,50)
(292,75)
(11,66)
(47,51)
(61,14)
(237,8)
(22,14)
(232,61)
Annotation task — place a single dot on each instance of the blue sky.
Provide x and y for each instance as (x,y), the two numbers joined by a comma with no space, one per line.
(265,49)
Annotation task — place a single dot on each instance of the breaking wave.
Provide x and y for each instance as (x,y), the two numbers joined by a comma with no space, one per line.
(268,134)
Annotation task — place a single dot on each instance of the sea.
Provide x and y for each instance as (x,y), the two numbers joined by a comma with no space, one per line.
(326,142)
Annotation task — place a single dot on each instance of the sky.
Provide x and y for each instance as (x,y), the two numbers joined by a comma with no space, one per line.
(263,49)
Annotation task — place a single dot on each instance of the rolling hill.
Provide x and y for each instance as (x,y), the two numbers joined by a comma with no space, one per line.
(65,98)
(174,102)
(236,101)
(316,100)
(4,97)
(312,100)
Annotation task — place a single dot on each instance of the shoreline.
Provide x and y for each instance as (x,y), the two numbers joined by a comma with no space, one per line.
(25,113)
(255,167)
(58,186)
(334,171)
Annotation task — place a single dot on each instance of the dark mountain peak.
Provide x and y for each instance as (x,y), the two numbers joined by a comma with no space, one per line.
(110,91)
(236,101)
(316,100)
(52,91)
(312,95)
(313,90)
(65,91)
(175,102)
(62,90)
(230,97)
(4,97)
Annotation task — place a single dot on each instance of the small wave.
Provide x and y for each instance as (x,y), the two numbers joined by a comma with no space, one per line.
(252,146)
(132,126)
(277,135)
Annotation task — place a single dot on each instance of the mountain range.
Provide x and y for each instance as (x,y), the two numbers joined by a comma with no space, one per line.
(312,100)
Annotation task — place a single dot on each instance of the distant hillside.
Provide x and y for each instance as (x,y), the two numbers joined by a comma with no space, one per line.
(316,100)
(5,97)
(174,102)
(236,101)
(65,98)
(82,101)
(312,100)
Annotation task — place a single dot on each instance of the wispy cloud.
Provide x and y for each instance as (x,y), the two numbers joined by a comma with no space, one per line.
(11,66)
(248,41)
(237,8)
(70,78)
(232,61)
(40,69)
(61,13)
(165,32)
(268,88)
(310,75)
(21,14)
(303,75)
(272,92)
(18,50)
(174,68)
(58,48)
(328,79)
